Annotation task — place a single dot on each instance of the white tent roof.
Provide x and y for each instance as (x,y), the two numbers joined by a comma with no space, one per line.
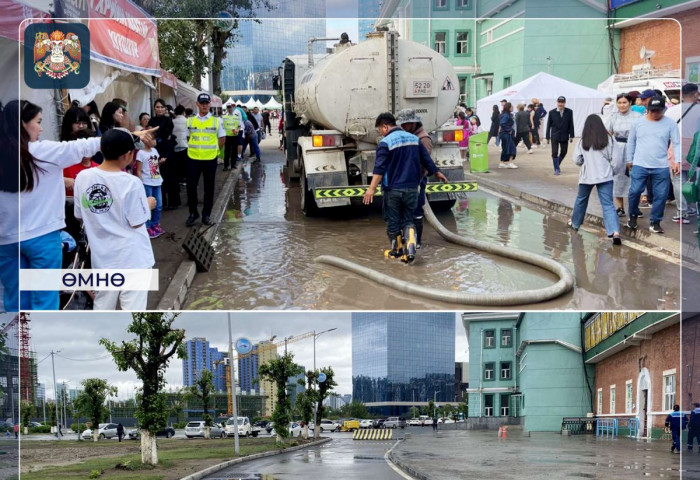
(545,87)
(258,103)
(272,104)
(250,103)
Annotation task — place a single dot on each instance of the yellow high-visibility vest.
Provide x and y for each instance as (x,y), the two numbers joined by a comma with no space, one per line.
(230,124)
(204,141)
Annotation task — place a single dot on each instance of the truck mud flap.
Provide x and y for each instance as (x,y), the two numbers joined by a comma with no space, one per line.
(455,176)
(359,190)
(329,181)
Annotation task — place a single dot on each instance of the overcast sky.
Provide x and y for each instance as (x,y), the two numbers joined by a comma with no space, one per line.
(341,16)
(76,335)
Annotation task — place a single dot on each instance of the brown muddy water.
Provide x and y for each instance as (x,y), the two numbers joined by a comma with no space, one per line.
(266,249)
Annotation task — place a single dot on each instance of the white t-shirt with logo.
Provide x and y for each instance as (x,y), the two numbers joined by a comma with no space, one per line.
(111,205)
(150,169)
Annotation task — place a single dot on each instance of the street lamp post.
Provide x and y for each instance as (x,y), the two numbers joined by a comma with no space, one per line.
(435,401)
(55,389)
(236,445)
(317,428)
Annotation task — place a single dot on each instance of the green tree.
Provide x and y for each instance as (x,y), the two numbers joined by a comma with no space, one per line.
(449,410)
(148,355)
(414,412)
(357,409)
(463,408)
(27,412)
(91,401)
(305,402)
(51,408)
(431,408)
(279,371)
(201,390)
(177,405)
(322,391)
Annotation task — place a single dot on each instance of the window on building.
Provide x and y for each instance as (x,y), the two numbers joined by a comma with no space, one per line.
(488,405)
(440,43)
(505,405)
(462,4)
(15,381)
(628,396)
(488,371)
(505,370)
(440,4)
(507,81)
(612,399)
(462,88)
(489,338)
(3,382)
(599,410)
(669,390)
(506,337)
(462,43)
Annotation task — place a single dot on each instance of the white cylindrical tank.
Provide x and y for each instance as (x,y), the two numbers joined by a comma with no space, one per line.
(346,91)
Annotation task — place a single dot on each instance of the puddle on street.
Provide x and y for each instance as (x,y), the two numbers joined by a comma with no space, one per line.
(266,249)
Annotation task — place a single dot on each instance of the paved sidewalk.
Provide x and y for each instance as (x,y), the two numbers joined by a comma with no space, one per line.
(535,182)
(481,454)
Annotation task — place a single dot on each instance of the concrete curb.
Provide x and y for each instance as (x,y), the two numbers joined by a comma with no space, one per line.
(175,295)
(669,244)
(208,471)
(406,468)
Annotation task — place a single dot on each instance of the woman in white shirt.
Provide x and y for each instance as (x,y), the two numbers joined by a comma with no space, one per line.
(42,198)
(594,154)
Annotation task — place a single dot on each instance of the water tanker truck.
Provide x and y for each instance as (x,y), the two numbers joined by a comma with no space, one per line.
(331,103)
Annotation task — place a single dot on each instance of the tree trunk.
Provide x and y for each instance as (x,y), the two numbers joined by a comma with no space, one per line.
(279,438)
(218,41)
(149,450)
(317,425)
(95,435)
(306,431)
(207,432)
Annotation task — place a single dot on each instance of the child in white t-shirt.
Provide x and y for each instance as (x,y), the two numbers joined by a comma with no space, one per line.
(114,209)
(147,166)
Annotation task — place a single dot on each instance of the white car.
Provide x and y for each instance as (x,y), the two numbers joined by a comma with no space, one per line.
(295,430)
(244,427)
(196,429)
(445,420)
(329,425)
(365,423)
(414,422)
(106,430)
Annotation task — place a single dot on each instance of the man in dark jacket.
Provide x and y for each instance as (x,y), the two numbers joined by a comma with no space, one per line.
(399,159)
(676,421)
(694,426)
(560,129)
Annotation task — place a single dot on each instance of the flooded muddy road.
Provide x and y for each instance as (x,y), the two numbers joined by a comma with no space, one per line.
(266,249)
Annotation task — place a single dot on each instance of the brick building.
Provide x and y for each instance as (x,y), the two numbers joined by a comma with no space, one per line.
(690,356)
(637,366)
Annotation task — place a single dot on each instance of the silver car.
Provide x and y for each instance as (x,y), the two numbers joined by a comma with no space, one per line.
(197,428)
(106,430)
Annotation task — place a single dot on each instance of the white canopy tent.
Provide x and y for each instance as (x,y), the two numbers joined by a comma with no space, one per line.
(273,104)
(545,87)
(250,103)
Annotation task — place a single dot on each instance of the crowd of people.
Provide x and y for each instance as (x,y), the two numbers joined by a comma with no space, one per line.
(108,181)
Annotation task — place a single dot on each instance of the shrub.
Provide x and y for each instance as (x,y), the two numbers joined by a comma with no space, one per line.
(42,429)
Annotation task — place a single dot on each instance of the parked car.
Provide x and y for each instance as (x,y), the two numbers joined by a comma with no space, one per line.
(445,420)
(295,430)
(394,422)
(329,425)
(167,432)
(105,430)
(366,423)
(414,422)
(196,429)
(35,424)
(425,420)
(261,423)
(379,423)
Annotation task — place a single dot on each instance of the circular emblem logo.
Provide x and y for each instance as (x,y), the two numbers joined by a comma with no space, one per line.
(243,346)
(321,377)
(98,198)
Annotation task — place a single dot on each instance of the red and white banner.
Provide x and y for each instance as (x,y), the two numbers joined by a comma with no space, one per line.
(11,20)
(167,78)
(124,36)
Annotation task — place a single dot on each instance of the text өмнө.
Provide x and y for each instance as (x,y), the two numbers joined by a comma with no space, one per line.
(88,279)
(91,280)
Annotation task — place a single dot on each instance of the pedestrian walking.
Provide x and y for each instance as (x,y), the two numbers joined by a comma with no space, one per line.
(619,124)
(120,431)
(467,130)
(180,150)
(694,427)
(435,423)
(560,132)
(16,430)
(506,134)
(647,156)
(166,147)
(207,136)
(522,127)
(594,154)
(676,422)
(147,168)
(493,129)
(232,124)
(399,159)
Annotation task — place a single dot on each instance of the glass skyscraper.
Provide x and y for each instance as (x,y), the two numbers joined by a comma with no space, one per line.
(252,62)
(201,356)
(402,357)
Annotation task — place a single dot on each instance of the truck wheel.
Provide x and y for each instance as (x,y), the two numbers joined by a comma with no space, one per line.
(168,435)
(308,204)
(442,205)
(255,434)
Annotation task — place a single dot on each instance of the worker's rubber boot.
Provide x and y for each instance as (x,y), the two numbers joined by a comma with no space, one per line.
(419,231)
(555,162)
(396,250)
(411,244)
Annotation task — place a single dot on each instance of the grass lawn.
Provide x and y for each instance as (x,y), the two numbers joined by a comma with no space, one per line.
(111,459)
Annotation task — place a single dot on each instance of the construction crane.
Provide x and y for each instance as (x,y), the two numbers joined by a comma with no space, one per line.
(18,330)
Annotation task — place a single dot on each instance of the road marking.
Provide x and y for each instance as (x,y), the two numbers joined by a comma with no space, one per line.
(394,467)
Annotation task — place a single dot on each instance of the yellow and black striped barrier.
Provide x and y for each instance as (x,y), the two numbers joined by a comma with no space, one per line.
(360,190)
(373,434)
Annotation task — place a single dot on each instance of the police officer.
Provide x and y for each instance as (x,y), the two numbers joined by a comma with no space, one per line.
(676,421)
(232,123)
(694,426)
(206,137)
